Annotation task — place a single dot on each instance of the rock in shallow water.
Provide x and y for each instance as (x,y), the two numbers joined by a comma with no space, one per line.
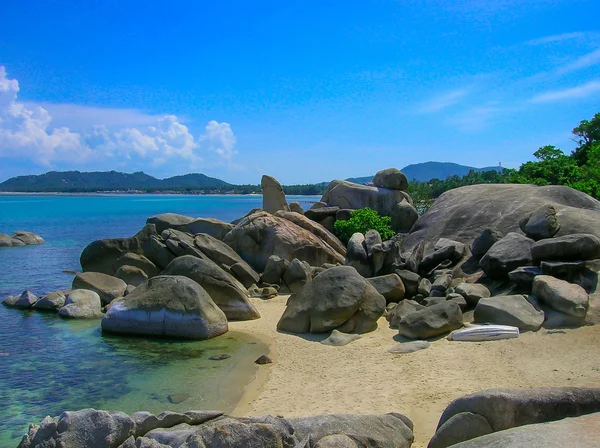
(82,304)
(165,305)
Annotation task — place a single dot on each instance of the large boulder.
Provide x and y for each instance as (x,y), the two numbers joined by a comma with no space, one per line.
(391,178)
(513,310)
(101,255)
(400,311)
(85,428)
(337,298)
(297,275)
(580,432)
(484,241)
(507,408)
(431,321)
(275,270)
(173,306)
(315,228)
(5,240)
(463,213)
(226,257)
(560,295)
(506,255)
(261,235)
(82,304)
(348,195)
(26,300)
(107,286)
(51,301)
(568,247)
(273,195)
(220,286)
(211,226)
(472,292)
(131,275)
(460,427)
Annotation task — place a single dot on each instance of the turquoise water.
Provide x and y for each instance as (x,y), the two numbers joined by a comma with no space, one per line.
(48,364)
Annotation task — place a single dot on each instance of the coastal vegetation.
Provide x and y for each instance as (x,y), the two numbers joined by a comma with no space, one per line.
(362,221)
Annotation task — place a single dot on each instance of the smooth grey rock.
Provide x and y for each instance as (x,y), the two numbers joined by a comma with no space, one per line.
(424,287)
(372,431)
(430,301)
(512,310)
(296,208)
(484,241)
(297,275)
(508,254)
(458,299)
(403,309)
(5,240)
(82,304)
(220,286)
(356,255)
(569,247)
(139,261)
(173,306)
(131,275)
(441,282)
(157,251)
(389,286)
(472,292)
(107,286)
(51,301)
(404,215)
(524,276)
(507,408)
(315,228)
(275,270)
(146,422)
(410,280)
(562,296)
(343,214)
(461,214)
(319,214)
(391,178)
(542,223)
(101,255)
(26,300)
(27,238)
(214,227)
(460,427)
(261,235)
(580,432)
(431,321)
(337,338)
(337,298)
(273,195)
(409,347)
(375,252)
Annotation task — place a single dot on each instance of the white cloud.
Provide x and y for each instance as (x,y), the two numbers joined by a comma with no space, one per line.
(26,134)
(582,62)
(568,94)
(442,101)
(476,118)
(221,139)
(557,38)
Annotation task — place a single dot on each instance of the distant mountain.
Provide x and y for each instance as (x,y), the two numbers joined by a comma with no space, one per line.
(426,171)
(105,180)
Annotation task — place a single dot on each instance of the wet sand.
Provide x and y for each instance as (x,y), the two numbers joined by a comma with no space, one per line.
(308,378)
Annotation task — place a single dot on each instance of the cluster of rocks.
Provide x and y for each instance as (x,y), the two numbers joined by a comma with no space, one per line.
(544,418)
(198,429)
(20,238)
(387,196)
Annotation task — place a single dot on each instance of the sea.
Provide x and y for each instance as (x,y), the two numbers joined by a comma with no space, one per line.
(49,364)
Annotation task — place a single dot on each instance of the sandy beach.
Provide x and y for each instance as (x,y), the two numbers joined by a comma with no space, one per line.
(309,378)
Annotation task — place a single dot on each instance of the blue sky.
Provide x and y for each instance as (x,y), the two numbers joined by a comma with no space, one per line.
(305,91)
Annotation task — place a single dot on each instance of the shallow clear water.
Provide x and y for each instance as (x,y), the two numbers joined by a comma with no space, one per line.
(48,364)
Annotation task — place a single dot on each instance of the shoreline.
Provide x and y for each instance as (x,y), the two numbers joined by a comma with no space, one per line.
(308,378)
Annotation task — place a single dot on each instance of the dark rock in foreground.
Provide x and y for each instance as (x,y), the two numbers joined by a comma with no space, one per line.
(101,429)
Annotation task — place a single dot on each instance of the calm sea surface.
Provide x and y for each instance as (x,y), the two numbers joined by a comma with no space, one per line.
(48,364)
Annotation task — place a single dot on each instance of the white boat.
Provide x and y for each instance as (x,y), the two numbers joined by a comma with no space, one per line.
(484,333)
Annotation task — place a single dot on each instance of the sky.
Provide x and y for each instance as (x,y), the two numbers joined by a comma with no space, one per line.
(305,91)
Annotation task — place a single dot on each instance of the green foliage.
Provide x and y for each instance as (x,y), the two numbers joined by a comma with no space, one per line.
(362,221)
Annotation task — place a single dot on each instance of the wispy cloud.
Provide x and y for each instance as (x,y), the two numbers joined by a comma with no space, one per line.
(476,118)
(558,38)
(582,91)
(581,63)
(442,101)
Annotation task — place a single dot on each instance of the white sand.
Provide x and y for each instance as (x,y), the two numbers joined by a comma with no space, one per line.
(309,378)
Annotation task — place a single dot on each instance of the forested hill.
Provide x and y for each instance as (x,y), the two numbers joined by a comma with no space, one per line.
(108,180)
(424,172)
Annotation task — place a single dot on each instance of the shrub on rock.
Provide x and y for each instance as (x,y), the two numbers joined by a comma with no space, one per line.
(361,221)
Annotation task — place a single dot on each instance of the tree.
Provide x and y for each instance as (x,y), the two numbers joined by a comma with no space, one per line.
(588,132)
